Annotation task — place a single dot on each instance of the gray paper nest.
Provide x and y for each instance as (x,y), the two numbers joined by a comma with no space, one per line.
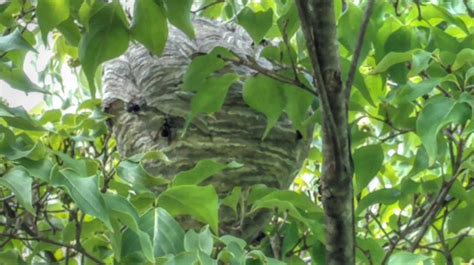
(143,93)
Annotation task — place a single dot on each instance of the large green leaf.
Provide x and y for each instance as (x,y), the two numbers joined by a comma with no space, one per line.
(50,14)
(430,121)
(264,95)
(257,24)
(150,25)
(164,232)
(199,202)
(19,182)
(106,39)
(134,173)
(84,191)
(122,209)
(14,41)
(203,170)
(366,169)
(179,14)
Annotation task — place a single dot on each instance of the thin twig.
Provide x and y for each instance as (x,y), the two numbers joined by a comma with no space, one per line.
(208,6)
(358,50)
(269,73)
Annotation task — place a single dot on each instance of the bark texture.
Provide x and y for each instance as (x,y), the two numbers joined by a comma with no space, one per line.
(143,93)
(319,27)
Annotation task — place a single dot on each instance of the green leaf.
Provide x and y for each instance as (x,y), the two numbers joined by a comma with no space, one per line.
(19,182)
(203,67)
(464,249)
(199,202)
(179,14)
(297,106)
(203,170)
(122,209)
(164,232)
(419,62)
(366,169)
(211,94)
(106,39)
(444,41)
(435,12)
(17,79)
(11,257)
(257,24)
(289,22)
(138,177)
(199,242)
(465,56)
(391,59)
(421,162)
(15,42)
(149,25)
(430,121)
(383,196)
(233,199)
(40,169)
(348,30)
(283,206)
(14,148)
(264,95)
(70,31)
(17,117)
(405,257)
(412,91)
(84,191)
(50,14)
(299,200)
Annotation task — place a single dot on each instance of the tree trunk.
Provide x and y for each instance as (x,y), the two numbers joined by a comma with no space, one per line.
(319,27)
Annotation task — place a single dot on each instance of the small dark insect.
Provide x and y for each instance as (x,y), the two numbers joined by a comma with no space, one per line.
(166,129)
(299,136)
(133,108)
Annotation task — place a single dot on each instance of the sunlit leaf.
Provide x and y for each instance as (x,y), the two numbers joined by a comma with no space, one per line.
(199,202)
(50,14)
(256,24)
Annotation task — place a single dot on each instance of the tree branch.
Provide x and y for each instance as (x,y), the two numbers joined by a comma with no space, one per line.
(358,50)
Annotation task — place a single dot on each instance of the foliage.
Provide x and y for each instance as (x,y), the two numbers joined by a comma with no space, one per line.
(68,196)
